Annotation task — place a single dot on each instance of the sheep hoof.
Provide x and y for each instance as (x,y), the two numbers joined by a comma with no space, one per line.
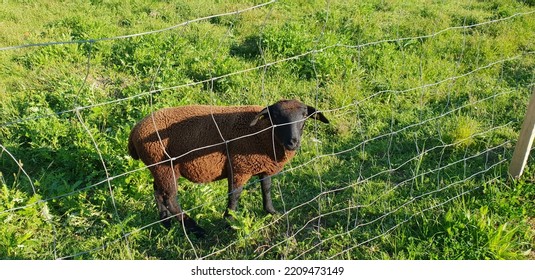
(198,232)
(272,211)
(192,227)
(166,223)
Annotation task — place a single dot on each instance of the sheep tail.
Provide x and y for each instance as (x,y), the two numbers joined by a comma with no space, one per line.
(132,149)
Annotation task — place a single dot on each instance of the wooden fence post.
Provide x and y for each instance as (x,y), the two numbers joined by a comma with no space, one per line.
(525,140)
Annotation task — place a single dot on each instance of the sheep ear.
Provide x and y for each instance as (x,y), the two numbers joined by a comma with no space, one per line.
(313,113)
(259,116)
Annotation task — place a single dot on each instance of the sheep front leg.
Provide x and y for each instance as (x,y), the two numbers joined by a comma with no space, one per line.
(234,192)
(265,182)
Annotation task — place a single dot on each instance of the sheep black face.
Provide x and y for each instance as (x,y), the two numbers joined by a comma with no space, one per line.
(289,117)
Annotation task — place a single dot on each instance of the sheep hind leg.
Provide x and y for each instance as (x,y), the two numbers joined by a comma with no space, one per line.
(190,225)
(162,209)
(168,206)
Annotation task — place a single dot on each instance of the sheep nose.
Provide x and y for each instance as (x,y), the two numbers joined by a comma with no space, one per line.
(293,144)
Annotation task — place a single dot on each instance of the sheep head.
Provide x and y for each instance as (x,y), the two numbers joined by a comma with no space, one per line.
(288,118)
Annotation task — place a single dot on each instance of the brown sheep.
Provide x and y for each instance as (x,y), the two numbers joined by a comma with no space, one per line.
(208,143)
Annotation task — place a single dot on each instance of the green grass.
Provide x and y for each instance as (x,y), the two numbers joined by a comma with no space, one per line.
(412,166)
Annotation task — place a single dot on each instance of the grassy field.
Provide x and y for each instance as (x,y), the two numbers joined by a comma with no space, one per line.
(425,99)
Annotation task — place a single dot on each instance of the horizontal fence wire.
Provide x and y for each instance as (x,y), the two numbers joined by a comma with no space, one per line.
(349,109)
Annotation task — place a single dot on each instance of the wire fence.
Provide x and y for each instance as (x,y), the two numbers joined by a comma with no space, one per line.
(423,175)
